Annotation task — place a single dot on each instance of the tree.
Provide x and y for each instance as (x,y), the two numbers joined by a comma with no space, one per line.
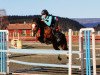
(3,22)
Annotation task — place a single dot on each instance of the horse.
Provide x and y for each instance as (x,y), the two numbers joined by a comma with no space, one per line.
(49,36)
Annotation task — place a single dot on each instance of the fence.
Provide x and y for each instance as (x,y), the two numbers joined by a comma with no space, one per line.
(27,51)
(84,38)
(5,52)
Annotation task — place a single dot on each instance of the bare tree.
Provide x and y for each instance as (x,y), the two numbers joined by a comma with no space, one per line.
(3,22)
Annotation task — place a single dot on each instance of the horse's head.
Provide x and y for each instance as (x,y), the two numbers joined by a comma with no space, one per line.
(34,28)
(37,23)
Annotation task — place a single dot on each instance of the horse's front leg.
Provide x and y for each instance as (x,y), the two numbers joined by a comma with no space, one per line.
(56,48)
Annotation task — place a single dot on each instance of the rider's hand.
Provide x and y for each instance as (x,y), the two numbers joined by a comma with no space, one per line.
(42,20)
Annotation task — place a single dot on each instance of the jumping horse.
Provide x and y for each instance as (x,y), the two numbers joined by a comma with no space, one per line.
(49,36)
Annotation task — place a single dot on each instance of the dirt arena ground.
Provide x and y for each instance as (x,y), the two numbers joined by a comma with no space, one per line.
(52,59)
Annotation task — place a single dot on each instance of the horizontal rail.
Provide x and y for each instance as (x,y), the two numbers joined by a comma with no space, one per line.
(4,31)
(41,51)
(42,64)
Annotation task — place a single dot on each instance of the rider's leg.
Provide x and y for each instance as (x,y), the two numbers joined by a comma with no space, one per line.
(41,38)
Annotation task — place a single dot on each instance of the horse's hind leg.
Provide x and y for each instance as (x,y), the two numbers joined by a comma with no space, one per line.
(55,46)
(64,47)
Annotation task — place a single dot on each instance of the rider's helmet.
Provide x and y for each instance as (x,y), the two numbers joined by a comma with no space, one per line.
(44,12)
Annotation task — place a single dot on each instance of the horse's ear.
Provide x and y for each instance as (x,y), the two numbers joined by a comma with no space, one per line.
(35,20)
(39,19)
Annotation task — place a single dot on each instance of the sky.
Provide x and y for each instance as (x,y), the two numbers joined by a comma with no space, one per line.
(62,8)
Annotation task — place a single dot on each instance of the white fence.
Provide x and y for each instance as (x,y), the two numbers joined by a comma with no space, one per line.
(29,51)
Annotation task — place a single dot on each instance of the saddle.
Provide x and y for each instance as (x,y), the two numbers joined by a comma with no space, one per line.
(48,34)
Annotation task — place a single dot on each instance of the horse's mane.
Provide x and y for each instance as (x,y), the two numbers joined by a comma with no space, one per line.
(39,22)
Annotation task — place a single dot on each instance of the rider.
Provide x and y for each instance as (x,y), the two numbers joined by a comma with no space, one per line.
(49,20)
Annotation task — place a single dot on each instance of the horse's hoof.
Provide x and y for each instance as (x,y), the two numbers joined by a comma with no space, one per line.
(67,57)
(59,58)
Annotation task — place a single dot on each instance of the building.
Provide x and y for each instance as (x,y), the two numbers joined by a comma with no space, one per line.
(22,29)
(2,12)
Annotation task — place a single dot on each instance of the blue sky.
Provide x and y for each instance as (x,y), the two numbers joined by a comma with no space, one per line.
(62,8)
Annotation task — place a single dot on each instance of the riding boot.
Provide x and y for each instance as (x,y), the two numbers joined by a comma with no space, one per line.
(41,38)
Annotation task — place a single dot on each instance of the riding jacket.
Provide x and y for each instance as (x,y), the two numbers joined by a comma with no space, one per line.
(49,20)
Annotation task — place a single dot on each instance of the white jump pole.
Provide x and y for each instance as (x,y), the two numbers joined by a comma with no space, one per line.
(93,53)
(7,37)
(70,52)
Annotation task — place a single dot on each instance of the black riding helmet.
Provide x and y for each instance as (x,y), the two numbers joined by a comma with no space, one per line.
(44,12)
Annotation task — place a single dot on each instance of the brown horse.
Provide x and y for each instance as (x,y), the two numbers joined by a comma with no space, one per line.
(49,36)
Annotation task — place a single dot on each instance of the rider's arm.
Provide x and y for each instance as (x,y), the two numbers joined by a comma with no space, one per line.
(48,20)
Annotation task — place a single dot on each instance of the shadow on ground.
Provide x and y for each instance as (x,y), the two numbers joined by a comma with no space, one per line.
(27,47)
